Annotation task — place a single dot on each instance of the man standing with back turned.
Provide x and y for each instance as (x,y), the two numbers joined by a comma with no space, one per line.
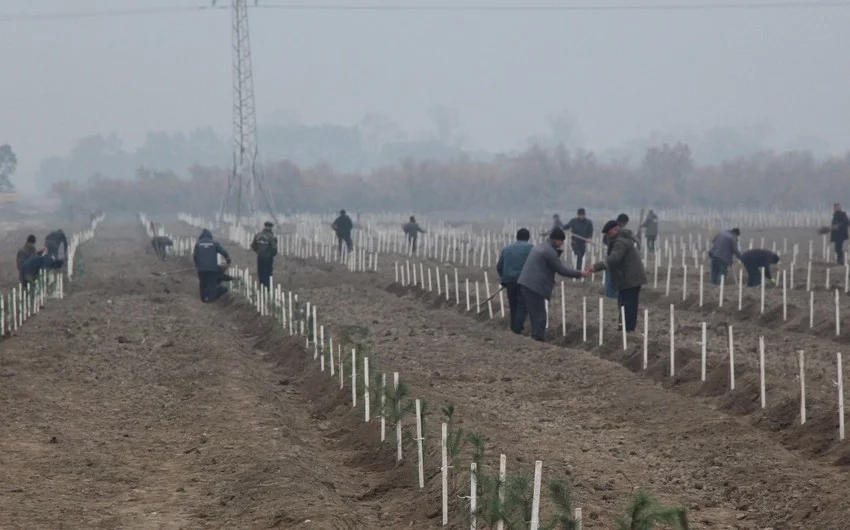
(838,231)
(509,267)
(342,225)
(537,279)
(205,256)
(724,247)
(265,246)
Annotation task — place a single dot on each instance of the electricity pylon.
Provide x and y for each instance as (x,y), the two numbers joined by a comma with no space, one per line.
(246,178)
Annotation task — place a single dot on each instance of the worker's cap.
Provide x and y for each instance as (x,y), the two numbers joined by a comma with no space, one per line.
(581,211)
(609,225)
(557,234)
(268,224)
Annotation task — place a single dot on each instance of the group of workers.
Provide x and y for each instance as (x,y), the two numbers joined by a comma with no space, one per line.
(724,250)
(527,272)
(30,260)
(212,275)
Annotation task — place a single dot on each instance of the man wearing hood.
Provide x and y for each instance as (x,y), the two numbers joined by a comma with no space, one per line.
(54,240)
(205,256)
(625,269)
(537,279)
(265,246)
(412,230)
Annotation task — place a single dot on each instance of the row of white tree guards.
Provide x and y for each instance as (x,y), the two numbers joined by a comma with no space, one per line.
(406,277)
(20,303)
(310,234)
(287,309)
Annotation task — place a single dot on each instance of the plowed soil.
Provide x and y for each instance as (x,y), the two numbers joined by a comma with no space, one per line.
(598,422)
(132,405)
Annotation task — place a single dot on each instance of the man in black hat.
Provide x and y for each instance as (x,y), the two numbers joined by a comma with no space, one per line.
(26,251)
(537,279)
(625,269)
(582,229)
(265,246)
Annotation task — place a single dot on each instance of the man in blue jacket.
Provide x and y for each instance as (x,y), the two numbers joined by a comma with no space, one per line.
(205,256)
(509,267)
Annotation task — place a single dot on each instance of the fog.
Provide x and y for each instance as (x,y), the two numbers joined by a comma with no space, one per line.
(726,82)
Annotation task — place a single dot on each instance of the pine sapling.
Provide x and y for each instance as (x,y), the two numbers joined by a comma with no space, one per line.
(645,512)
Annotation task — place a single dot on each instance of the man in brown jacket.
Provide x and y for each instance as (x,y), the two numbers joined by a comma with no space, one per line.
(625,269)
(26,251)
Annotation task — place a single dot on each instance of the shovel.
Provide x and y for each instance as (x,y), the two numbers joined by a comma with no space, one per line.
(169,273)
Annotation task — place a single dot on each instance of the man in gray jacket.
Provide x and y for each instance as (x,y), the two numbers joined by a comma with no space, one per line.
(724,247)
(625,269)
(537,279)
(510,265)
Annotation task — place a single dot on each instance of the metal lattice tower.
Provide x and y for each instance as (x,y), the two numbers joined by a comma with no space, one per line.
(246,178)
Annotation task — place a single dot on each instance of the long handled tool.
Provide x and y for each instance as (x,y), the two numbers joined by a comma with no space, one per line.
(169,273)
(494,295)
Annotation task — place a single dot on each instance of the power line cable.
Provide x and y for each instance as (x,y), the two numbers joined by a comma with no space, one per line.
(164,10)
(550,8)
(104,13)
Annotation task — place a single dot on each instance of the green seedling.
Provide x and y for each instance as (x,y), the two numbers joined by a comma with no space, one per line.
(455,442)
(645,512)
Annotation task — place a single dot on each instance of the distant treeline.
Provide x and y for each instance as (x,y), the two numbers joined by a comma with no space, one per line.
(533,181)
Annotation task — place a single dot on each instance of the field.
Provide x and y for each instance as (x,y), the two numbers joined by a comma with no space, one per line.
(129,404)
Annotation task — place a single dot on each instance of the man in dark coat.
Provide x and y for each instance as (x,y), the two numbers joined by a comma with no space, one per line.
(26,251)
(650,226)
(33,265)
(54,240)
(839,231)
(160,245)
(265,246)
(537,279)
(582,229)
(625,269)
(724,247)
(510,265)
(342,225)
(756,259)
(412,229)
(205,255)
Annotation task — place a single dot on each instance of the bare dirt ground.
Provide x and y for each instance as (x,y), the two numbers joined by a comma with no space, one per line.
(132,405)
(595,421)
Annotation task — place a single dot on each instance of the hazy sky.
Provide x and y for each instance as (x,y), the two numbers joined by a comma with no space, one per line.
(623,74)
